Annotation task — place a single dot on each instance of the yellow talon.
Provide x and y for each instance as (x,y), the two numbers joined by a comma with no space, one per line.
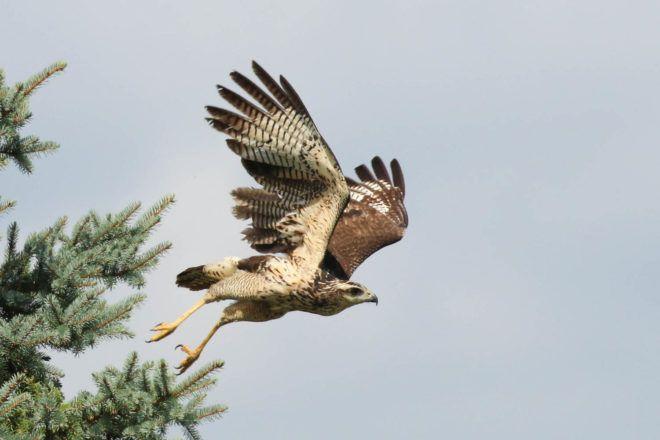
(162,330)
(189,360)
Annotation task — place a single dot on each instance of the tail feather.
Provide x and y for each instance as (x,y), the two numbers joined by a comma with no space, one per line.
(194,278)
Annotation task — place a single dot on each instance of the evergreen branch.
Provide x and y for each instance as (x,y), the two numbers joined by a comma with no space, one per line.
(164,379)
(147,259)
(199,387)
(79,318)
(211,412)
(130,367)
(78,229)
(80,265)
(29,327)
(40,78)
(50,234)
(18,149)
(21,150)
(191,431)
(191,384)
(195,402)
(86,284)
(114,222)
(12,238)
(8,388)
(14,115)
(145,384)
(150,218)
(119,311)
(15,402)
(5,206)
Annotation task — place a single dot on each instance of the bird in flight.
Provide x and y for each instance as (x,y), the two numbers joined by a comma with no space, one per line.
(322,223)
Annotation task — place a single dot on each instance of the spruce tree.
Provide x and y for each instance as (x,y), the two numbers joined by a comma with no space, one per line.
(52,297)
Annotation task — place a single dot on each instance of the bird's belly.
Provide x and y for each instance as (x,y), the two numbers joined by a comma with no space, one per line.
(305,302)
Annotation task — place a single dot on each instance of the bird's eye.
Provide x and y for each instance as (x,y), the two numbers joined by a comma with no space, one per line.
(355,291)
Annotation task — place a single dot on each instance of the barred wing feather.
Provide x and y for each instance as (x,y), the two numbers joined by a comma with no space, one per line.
(303,190)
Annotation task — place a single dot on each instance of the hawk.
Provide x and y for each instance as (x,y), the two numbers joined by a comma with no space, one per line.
(323,224)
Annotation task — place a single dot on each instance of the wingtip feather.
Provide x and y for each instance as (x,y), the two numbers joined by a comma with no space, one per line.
(380,169)
(364,173)
(397,174)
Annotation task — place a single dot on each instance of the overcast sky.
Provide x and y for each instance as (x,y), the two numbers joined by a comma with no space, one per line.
(523,302)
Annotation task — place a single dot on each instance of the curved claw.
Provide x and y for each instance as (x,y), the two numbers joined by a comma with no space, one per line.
(189,360)
(162,330)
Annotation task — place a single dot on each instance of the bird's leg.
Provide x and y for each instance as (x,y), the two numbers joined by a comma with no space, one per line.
(241,285)
(165,328)
(239,311)
(194,354)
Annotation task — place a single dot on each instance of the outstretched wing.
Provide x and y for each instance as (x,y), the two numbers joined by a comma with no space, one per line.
(374,218)
(303,190)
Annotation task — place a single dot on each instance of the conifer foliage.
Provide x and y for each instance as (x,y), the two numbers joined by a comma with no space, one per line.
(52,297)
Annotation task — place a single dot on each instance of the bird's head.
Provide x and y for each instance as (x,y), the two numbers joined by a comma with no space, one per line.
(353,293)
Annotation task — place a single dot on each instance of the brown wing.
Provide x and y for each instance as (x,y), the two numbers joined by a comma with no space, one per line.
(375,217)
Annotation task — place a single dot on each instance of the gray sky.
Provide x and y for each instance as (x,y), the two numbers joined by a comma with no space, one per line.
(523,303)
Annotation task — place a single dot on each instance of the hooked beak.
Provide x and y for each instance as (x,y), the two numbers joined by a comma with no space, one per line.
(374,300)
